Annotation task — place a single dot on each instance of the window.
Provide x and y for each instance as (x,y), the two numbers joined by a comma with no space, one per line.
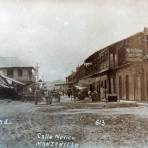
(147,38)
(101,83)
(105,82)
(10,73)
(30,72)
(111,60)
(20,72)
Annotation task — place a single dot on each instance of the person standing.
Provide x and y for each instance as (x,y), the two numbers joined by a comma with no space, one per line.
(58,96)
(68,93)
(90,95)
(37,93)
(102,92)
(94,96)
(46,96)
(50,97)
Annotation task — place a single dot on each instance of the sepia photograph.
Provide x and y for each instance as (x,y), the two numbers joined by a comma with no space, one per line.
(73,74)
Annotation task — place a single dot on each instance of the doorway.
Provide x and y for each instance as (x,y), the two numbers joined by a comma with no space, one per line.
(120,87)
(127,87)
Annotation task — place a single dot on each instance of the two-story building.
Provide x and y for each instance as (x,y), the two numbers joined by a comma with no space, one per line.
(17,69)
(121,68)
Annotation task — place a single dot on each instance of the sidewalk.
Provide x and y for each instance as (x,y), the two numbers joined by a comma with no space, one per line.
(138,103)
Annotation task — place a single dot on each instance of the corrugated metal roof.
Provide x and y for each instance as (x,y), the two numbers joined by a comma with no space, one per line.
(7,62)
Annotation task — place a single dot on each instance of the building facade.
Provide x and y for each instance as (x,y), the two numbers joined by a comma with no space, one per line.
(120,68)
(16,69)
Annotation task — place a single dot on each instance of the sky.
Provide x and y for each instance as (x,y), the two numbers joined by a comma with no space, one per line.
(60,34)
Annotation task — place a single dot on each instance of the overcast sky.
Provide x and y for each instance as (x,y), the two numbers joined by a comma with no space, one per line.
(60,34)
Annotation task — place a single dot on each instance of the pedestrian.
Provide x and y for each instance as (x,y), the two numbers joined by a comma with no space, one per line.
(69,93)
(37,94)
(75,94)
(102,92)
(46,96)
(90,94)
(94,96)
(50,97)
(58,96)
(36,97)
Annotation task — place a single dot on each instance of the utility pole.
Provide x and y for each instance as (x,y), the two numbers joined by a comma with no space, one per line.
(37,72)
(36,93)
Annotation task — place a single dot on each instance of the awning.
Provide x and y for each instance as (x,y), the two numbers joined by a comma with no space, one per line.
(11,80)
(6,82)
(5,86)
(80,87)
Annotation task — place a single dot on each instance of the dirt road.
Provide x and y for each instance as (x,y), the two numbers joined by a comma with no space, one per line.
(84,125)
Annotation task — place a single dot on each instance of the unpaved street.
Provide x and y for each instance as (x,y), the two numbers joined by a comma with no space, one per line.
(123,126)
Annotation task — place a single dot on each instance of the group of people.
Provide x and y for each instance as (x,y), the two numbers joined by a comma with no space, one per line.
(48,95)
(85,93)
(43,92)
(99,95)
(95,95)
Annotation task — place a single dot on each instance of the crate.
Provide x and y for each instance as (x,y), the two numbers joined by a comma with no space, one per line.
(112,98)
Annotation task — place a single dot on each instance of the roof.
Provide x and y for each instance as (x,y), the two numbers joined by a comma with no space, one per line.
(8,62)
(107,47)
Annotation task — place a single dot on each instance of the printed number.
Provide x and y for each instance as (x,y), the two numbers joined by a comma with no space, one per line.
(100,123)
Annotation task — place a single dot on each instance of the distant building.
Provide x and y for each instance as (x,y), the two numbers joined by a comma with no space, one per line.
(17,69)
(121,68)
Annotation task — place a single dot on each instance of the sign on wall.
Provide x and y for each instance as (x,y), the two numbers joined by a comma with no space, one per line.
(134,53)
